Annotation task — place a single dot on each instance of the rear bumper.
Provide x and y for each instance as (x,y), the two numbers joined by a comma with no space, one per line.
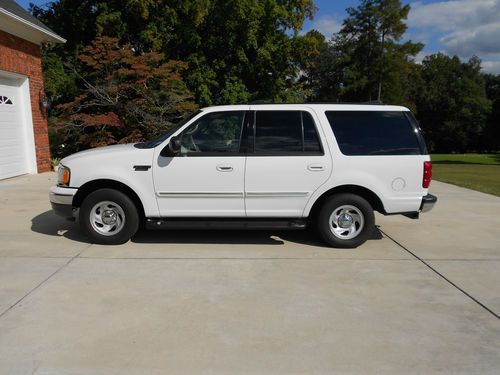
(428,203)
(61,200)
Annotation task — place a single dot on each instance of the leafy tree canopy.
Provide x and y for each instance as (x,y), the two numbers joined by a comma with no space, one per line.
(451,102)
(224,52)
(365,61)
(236,51)
(491,136)
(125,97)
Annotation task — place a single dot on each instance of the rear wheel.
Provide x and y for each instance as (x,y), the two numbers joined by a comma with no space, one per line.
(109,217)
(346,221)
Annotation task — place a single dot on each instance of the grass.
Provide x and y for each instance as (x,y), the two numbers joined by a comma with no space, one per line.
(486,159)
(479,172)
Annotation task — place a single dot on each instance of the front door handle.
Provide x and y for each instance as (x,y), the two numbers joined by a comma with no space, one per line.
(316,167)
(224,168)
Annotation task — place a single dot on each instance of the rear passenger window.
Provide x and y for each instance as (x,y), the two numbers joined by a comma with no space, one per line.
(374,133)
(286,133)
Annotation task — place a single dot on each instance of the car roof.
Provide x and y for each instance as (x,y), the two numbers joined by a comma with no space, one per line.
(316,106)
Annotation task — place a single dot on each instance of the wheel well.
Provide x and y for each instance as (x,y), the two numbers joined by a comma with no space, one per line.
(91,186)
(369,195)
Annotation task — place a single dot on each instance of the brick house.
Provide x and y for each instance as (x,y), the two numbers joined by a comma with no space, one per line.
(24,142)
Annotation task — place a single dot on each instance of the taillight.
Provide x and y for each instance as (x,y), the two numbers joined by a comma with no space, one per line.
(426,181)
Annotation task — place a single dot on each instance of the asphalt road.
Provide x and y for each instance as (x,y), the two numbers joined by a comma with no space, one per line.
(421,297)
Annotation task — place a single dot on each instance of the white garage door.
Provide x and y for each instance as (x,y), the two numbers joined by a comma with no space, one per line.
(13,143)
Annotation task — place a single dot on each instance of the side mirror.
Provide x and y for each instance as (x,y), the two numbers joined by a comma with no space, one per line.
(173,147)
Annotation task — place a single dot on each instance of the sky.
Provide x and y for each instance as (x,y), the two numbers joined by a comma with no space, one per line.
(454,27)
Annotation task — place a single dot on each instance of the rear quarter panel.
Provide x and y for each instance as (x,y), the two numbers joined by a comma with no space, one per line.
(395,179)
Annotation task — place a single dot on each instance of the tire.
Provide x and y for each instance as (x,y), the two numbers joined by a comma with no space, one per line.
(108,217)
(345,231)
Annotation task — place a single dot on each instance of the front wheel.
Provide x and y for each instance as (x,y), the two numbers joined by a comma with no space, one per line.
(108,217)
(346,221)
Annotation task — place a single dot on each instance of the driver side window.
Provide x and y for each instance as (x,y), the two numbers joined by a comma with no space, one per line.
(216,132)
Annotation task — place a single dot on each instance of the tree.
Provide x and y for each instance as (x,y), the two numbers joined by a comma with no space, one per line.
(369,61)
(236,51)
(451,102)
(125,97)
(491,135)
(323,75)
(75,20)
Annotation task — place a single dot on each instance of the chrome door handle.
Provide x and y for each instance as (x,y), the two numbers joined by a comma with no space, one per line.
(315,167)
(224,168)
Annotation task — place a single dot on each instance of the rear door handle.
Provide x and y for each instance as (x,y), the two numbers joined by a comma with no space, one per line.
(224,168)
(315,167)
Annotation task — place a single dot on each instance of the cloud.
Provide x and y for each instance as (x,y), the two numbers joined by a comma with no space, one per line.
(481,40)
(462,27)
(450,15)
(491,66)
(468,27)
(420,56)
(326,25)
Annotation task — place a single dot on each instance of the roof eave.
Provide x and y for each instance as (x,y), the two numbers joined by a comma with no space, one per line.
(48,36)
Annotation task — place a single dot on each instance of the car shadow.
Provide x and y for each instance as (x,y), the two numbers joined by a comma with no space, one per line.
(50,224)
(219,236)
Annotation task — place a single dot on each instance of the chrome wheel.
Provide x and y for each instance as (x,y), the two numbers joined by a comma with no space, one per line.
(107,218)
(346,222)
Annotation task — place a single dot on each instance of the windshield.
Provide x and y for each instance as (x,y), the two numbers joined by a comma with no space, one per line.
(157,141)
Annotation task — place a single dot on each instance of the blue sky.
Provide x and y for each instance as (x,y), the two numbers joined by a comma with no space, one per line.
(454,27)
(330,14)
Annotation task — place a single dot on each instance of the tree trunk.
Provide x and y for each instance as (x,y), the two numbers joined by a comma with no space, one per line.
(379,96)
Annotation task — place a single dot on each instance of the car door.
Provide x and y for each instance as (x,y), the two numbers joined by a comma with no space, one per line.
(206,179)
(286,161)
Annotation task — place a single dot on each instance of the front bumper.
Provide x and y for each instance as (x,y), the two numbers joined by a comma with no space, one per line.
(428,203)
(61,199)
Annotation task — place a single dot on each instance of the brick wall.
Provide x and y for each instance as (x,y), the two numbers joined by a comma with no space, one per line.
(23,57)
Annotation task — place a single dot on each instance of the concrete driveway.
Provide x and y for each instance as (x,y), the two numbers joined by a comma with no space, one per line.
(421,297)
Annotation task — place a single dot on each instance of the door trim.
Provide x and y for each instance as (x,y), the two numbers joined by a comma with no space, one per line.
(198,194)
(277,194)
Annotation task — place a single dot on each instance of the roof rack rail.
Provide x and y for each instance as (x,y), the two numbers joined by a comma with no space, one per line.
(371,102)
(263,101)
(379,102)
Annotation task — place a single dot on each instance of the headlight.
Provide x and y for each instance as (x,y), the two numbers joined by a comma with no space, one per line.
(63,175)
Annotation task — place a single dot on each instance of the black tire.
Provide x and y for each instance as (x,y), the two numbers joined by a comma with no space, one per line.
(361,233)
(126,213)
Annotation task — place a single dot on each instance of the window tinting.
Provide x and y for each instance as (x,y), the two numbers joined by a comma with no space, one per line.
(285,132)
(216,132)
(374,133)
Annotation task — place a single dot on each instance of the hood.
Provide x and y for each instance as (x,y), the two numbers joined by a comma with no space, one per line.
(105,153)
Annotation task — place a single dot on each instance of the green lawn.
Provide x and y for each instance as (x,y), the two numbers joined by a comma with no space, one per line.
(474,171)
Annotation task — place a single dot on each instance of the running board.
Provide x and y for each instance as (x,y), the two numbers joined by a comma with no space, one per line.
(218,223)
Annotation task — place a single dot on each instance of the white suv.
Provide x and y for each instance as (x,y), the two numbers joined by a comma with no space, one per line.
(283,166)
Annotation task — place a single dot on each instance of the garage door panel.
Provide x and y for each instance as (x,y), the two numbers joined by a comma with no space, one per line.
(13,143)
(10,152)
(9,132)
(8,114)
